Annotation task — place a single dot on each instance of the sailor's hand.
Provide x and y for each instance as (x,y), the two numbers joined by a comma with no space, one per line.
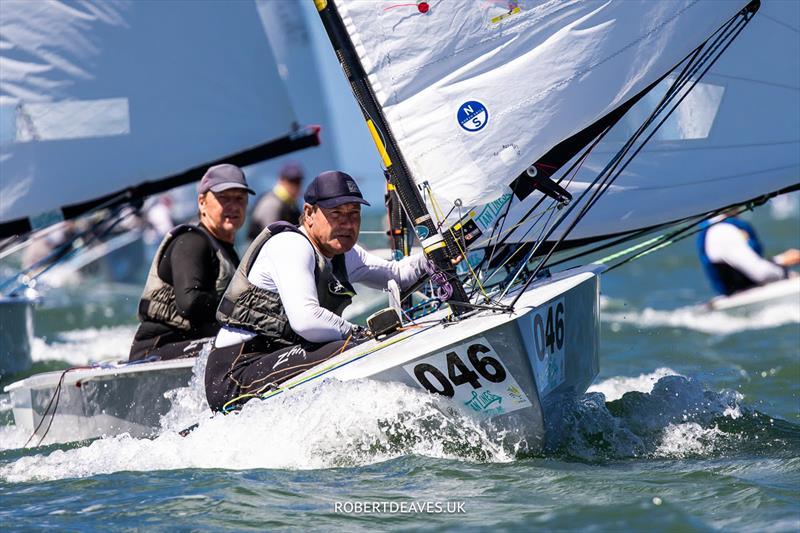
(360,333)
(790,257)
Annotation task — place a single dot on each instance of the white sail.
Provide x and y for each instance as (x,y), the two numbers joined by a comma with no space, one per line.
(476,92)
(99,97)
(290,38)
(735,137)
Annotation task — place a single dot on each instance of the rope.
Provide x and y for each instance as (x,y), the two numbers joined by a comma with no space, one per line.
(55,397)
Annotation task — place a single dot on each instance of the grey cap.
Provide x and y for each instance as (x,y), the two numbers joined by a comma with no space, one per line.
(223,177)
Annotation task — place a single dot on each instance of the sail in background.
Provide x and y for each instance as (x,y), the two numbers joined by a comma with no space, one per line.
(475,92)
(97,97)
(735,137)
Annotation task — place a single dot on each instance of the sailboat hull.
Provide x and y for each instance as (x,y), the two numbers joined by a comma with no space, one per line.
(783,292)
(514,372)
(86,403)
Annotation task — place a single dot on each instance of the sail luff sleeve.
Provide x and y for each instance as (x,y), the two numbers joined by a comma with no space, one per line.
(436,246)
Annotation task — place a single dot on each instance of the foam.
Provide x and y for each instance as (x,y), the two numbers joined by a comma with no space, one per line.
(698,319)
(332,425)
(86,346)
(614,388)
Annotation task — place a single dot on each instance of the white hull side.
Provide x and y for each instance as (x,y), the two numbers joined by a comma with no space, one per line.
(786,291)
(511,339)
(96,402)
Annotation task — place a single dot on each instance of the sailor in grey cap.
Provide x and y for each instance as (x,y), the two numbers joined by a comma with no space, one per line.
(191,270)
(282,312)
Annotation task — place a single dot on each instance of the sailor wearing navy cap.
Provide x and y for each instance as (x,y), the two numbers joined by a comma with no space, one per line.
(281,314)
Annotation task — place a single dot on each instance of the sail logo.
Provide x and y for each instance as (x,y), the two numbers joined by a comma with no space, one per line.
(472,116)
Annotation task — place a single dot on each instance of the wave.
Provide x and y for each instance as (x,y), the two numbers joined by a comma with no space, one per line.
(85,346)
(356,423)
(700,319)
(663,415)
(336,424)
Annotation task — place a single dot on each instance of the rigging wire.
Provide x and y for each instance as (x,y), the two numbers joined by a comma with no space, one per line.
(727,34)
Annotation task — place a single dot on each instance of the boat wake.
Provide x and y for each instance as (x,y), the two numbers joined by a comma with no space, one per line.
(702,320)
(357,423)
(336,424)
(85,346)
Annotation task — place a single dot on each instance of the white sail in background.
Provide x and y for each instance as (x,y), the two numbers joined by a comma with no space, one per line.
(98,96)
(475,92)
(735,137)
(287,28)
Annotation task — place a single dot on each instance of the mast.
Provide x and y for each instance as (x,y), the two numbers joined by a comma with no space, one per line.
(439,248)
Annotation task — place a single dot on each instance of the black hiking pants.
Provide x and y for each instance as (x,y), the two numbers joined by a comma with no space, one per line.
(254,367)
(164,348)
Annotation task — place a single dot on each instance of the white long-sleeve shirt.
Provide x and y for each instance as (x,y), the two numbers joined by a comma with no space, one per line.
(286,265)
(725,243)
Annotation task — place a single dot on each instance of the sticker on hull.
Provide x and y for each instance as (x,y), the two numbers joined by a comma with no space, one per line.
(473,376)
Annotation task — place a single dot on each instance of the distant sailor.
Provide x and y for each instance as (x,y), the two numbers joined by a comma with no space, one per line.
(732,256)
(280,203)
(191,270)
(282,311)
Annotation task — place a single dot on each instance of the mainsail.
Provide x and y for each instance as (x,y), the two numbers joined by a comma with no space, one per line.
(479,103)
(734,138)
(475,92)
(107,101)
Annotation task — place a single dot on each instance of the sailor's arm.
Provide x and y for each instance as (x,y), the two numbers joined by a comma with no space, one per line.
(293,275)
(371,270)
(726,243)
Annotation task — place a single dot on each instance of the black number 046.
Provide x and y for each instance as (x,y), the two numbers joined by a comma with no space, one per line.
(458,372)
(548,333)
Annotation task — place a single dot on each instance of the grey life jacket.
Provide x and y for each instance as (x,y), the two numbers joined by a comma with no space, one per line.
(158,298)
(260,311)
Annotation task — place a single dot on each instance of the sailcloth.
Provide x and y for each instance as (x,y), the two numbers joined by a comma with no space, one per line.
(98,97)
(474,93)
(734,138)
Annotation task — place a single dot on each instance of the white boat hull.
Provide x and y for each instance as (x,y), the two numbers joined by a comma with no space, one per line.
(97,401)
(514,372)
(785,291)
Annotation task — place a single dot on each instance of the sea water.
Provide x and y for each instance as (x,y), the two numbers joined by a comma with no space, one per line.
(692,425)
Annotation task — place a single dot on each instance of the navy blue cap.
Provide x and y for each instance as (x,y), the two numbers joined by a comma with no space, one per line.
(291,171)
(223,177)
(333,188)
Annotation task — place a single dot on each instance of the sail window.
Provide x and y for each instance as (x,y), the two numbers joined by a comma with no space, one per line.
(50,121)
(692,119)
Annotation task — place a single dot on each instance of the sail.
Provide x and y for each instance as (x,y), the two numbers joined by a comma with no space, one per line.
(291,40)
(735,137)
(476,92)
(97,98)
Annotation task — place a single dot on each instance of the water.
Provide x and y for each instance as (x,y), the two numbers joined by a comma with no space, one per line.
(692,425)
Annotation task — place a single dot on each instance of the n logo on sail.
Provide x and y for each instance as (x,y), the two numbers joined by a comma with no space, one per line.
(472,115)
